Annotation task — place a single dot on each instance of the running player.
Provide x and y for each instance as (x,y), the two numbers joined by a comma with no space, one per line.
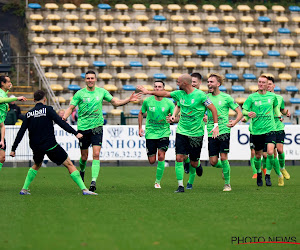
(157,128)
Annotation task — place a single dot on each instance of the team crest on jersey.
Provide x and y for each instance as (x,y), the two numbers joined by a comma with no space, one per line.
(152,109)
(97,98)
(257,103)
(192,101)
(88,99)
(220,102)
(162,109)
(269,100)
(181,101)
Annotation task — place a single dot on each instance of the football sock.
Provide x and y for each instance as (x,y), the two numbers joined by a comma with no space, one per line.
(277,167)
(82,165)
(269,163)
(253,165)
(193,173)
(264,163)
(281,158)
(159,171)
(1,164)
(218,165)
(179,172)
(77,179)
(29,178)
(257,163)
(226,171)
(95,169)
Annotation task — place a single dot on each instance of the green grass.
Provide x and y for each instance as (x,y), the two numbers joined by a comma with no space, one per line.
(130,214)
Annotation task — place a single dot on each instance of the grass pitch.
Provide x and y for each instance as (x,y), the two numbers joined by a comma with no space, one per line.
(129,213)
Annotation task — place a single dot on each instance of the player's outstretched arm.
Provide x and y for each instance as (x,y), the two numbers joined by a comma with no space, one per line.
(285,112)
(232,123)
(12,99)
(20,135)
(215,130)
(68,112)
(140,121)
(134,97)
(162,93)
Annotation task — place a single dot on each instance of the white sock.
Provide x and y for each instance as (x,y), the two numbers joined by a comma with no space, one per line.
(180,183)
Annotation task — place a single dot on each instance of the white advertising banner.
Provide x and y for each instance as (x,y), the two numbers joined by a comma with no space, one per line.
(124,143)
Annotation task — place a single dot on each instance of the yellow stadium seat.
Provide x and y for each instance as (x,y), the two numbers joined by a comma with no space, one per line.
(225,7)
(146,40)
(249,30)
(220,53)
(92,40)
(46,63)
(125,29)
(141,76)
(77,52)
(110,87)
(139,7)
(246,19)
(56,87)
(230,19)
(56,39)
(60,99)
(110,40)
(154,64)
(212,18)
(240,100)
(73,28)
(106,18)
(142,18)
(184,52)
(191,7)
(207,64)
(266,30)
(71,17)
(105,76)
(161,29)
(74,40)
(198,40)
(252,41)
(53,17)
(38,39)
(19,122)
(128,40)
(173,7)
(108,29)
(204,88)
(131,52)
(168,88)
(95,52)
(278,65)
(143,29)
(256,53)
(123,76)
(253,88)
(179,29)
(91,29)
(231,30)
(285,76)
(117,64)
(243,65)
(51,6)
(189,64)
(296,19)
(177,18)
(121,7)
(149,52)
(234,41)
(124,18)
(162,40)
(69,6)
(51,75)
(260,8)
(278,8)
(194,18)
(37,28)
(156,7)
(41,51)
(63,63)
(89,17)
(171,64)
(68,75)
(116,112)
(208,7)
(175,75)
(59,51)
(181,40)
(81,63)
(282,19)
(36,17)
(113,52)
(148,87)
(216,40)
(291,53)
(54,28)
(196,29)
(269,41)
(295,65)
(243,7)
(86,6)
(287,41)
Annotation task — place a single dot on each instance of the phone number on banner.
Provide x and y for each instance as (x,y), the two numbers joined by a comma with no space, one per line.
(120,155)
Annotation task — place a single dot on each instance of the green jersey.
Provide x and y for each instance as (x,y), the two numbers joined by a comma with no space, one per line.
(279,125)
(90,107)
(156,124)
(223,102)
(192,110)
(3,106)
(263,106)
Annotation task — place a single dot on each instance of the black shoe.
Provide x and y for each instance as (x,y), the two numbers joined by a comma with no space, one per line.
(186,168)
(259,180)
(179,190)
(93,186)
(82,175)
(199,171)
(268,180)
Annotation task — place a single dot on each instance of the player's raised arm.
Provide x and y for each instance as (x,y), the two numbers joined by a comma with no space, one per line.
(160,93)
(134,97)
(232,123)
(68,112)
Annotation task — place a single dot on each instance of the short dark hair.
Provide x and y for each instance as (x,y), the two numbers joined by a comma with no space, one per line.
(3,79)
(90,72)
(39,95)
(197,75)
(160,81)
(271,78)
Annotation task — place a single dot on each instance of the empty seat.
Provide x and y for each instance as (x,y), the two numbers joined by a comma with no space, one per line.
(124,18)
(160,29)
(118,64)
(36,17)
(229,19)
(256,53)
(131,52)
(277,89)
(73,28)
(287,41)
(249,30)
(234,41)
(207,64)
(37,28)
(129,87)
(246,19)
(95,52)
(223,88)
(238,53)
(196,29)
(135,64)
(231,76)
(92,40)
(105,76)
(51,75)
(285,76)
(191,7)
(243,7)
(123,76)
(240,100)
(46,63)
(116,112)
(260,8)
(217,41)
(89,17)
(278,65)
(143,29)
(146,40)
(74,40)
(171,64)
(184,52)
(208,7)
(225,7)
(295,65)
(284,31)
(231,30)
(34,6)
(156,7)
(167,52)
(177,18)
(269,41)
(54,28)
(194,18)
(69,6)
(179,29)
(252,41)
(220,52)
(139,7)
(202,53)
(59,51)
(77,52)
(212,18)
(189,64)
(63,63)
(281,19)
(181,40)
(127,40)
(81,63)
(253,88)
(121,7)
(238,88)
(51,6)
(68,75)
(38,39)
(86,6)
(73,87)
(159,18)
(214,29)
(149,52)
(294,8)
(91,29)
(198,40)
(142,18)
(295,101)
(110,40)
(71,17)
(273,53)
(141,76)
(154,64)
(266,30)
(291,89)
(264,19)
(278,8)
(53,17)
(225,64)
(113,52)
(175,75)
(261,65)
(107,18)
(159,76)
(249,76)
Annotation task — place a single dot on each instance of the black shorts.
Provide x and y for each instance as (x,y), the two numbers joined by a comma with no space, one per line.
(91,136)
(260,141)
(57,155)
(218,145)
(188,145)
(280,135)
(4,145)
(152,145)
(251,142)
